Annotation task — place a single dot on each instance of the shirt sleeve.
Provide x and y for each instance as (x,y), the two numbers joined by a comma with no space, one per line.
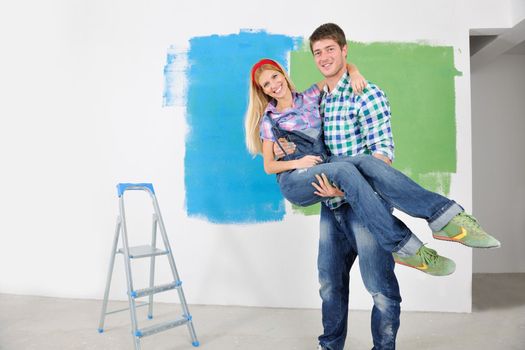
(311,95)
(374,117)
(266,129)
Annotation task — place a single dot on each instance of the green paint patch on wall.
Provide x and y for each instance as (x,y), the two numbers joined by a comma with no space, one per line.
(419,82)
(311,210)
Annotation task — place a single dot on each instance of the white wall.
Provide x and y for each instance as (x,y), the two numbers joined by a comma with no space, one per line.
(81,110)
(498,129)
(489,15)
(517,11)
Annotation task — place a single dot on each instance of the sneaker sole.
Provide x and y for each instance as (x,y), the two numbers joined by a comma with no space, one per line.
(449,239)
(424,271)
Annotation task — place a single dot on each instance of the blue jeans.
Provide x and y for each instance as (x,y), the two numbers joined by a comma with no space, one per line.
(402,192)
(342,238)
(366,182)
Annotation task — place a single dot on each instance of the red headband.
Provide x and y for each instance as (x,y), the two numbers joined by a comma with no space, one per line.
(261,63)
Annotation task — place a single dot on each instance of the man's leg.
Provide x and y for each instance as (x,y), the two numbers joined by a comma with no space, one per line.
(377,270)
(335,258)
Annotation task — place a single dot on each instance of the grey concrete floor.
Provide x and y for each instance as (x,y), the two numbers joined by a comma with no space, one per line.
(497,322)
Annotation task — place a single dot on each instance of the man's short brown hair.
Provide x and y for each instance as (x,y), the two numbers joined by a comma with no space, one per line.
(328,31)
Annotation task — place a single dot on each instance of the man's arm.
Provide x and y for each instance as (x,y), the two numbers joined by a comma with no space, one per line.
(374,117)
(382,157)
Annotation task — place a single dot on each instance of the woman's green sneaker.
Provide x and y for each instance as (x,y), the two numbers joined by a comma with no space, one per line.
(465,229)
(428,261)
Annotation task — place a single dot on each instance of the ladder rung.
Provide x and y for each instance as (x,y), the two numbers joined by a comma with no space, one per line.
(161,327)
(148,291)
(143,251)
(126,308)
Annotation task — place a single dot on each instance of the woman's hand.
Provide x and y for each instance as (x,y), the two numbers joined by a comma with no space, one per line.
(357,81)
(321,84)
(307,162)
(325,188)
(289,147)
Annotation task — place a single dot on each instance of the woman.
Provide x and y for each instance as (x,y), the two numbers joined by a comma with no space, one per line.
(277,110)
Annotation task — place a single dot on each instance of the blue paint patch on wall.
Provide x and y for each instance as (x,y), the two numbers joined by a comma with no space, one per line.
(224,184)
(168,95)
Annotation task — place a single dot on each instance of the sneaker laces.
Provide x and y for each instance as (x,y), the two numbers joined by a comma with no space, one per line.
(429,256)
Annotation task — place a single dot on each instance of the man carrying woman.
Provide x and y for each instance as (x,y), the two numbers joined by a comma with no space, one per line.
(356,130)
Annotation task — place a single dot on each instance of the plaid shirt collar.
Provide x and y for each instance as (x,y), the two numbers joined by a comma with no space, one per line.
(341,86)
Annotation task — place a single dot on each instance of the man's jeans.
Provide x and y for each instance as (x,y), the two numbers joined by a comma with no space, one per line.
(366,182)
(342,238)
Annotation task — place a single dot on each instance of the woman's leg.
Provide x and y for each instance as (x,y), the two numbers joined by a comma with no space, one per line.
(444,216)
(392,234)
(402,192)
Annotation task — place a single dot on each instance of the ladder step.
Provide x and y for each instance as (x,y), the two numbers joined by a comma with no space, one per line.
(153,290)
(143,251)
(161,327)
(126,308)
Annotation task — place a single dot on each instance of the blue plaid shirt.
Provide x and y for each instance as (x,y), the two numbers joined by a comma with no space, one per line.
(356,124)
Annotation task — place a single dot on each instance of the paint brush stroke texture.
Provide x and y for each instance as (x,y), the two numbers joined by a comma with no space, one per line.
(419,82)
(225,185)
(174,93)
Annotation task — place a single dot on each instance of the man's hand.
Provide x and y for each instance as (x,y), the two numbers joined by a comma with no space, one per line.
(325,188)
(289,147)
(383,158)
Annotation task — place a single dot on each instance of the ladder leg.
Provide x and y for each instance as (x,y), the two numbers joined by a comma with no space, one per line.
(109,276)
(175,273)
(187,314)
(132,305)
(127,264)
(152,265)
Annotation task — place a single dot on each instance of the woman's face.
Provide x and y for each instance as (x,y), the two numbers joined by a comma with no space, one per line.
(274,84)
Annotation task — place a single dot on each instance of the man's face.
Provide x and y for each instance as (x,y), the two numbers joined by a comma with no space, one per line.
(329,57)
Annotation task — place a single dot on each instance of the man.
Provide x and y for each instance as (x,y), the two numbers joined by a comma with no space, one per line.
(342,235)
(360,124)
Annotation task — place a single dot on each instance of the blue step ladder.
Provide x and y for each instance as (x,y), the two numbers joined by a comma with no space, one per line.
(145,251)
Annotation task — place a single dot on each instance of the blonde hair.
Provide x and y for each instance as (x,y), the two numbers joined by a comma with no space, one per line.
(256,106)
